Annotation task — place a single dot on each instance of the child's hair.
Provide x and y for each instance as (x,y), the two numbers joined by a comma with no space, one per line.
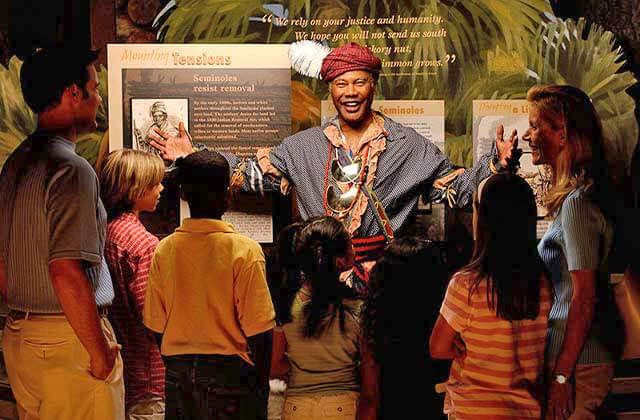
(319,244)
(288,269)
(204,180)
(403,304)
(126,176)
(505,254)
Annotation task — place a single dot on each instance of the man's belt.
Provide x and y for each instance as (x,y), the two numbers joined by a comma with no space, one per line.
(367,249)
(14,314)
(370,248)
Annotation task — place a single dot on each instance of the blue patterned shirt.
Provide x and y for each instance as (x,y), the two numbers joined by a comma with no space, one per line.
(580,238)
(406,169)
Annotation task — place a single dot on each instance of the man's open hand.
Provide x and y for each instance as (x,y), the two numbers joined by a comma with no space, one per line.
(506,148)
(171,147)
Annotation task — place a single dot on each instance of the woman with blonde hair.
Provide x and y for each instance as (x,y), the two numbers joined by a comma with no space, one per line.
(565,133)
(131,182)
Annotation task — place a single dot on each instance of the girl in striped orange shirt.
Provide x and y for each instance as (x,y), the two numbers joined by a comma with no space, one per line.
(498,306)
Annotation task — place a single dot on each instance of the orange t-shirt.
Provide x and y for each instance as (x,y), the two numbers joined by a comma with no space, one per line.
(207,290)
(501,373)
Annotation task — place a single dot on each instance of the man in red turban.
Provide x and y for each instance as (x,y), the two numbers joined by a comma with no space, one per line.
(349,57)
(361,167)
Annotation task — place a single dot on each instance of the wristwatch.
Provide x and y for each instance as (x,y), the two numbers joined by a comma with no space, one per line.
(560,378)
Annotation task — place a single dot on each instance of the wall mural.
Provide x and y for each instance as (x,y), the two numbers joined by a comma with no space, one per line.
(17,121)
(458,51)
(134,19)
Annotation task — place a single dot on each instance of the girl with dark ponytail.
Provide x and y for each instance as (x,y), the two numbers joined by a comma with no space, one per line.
(324,249)
(286,274)
(318,348)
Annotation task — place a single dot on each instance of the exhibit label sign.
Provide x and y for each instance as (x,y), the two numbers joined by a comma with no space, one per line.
(231,98)
(512,114)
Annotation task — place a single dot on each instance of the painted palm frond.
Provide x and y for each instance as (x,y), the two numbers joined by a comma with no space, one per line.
(458,150)
(331,9)
(474,25)
(16,118)
(17,121)
(514,21)
(103,89)
(374,8)
(88,145)
(567,54)
(9,140)
(485,85)
(14,112)
(211,21)
(299,8)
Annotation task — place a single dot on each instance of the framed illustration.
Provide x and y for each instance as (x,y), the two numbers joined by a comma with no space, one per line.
(162,113)
(512,115)
(539,179)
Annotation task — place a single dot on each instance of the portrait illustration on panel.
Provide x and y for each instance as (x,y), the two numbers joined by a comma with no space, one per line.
(164,114)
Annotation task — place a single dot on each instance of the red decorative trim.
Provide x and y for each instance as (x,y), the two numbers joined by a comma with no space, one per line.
(369,248)
(364,276)
(368,240)
(364,249)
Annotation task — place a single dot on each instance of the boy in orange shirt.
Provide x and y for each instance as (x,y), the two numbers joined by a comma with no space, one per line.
(207,297)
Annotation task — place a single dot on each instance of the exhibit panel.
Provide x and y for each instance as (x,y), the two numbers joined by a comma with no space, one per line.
(230,98)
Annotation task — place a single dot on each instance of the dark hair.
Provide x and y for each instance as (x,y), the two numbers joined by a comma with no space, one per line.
(48,72)
(288,271)
(204,179)
(505,254)
(319,244)
(402,305)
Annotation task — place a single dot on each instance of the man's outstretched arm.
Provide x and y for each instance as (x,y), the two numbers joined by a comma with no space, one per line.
(248,175)
(457,186)
(171,147)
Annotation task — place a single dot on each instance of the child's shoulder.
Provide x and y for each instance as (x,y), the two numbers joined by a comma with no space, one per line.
(245,241)
(245,248)
(463,279)
(165,243)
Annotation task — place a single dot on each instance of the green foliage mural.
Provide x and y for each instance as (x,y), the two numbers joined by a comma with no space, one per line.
(501,48)
(473,27)
(493,49)
(17,121)
(16,118)
(565,54)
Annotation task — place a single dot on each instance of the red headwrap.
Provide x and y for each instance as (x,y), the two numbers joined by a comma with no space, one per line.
(349,57)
